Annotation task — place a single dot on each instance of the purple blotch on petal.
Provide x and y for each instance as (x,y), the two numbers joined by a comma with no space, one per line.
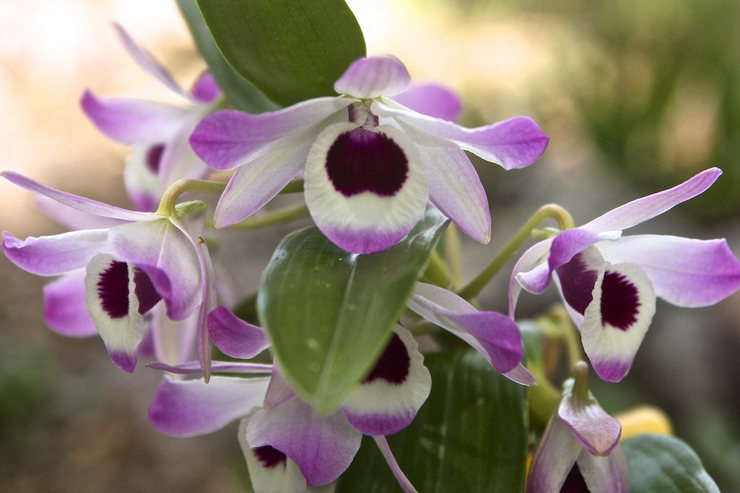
(577,282)
(574,483)
(619,301)
(113,290)
(365,161)
(154,157)
(144,291)
(269,456)
(393,366)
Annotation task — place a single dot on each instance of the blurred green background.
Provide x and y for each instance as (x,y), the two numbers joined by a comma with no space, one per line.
(636,96)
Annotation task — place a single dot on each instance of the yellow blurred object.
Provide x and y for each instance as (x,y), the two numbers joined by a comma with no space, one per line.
(644,419)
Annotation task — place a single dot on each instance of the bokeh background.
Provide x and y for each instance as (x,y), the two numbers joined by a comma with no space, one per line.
(636,96)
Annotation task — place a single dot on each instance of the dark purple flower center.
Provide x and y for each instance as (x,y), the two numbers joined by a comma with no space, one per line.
(574,483)
(269,456)
(620,301)
(365,161)
(577,282)
(393,366)
(113,290)
(154,157)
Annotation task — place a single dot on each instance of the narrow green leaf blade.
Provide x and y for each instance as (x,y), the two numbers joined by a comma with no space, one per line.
(470,435)
(238,90)
(291,50)
(328,313)
(666,464)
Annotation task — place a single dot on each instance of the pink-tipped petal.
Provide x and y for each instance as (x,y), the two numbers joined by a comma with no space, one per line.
(72,218)
(365,188)
(554,458)
(235,337)
(133,121)
(205,90)
(146,61)
(605,474)
(617,319)
(390,396)
(83,204)
(455,188)
(492,334)
(521,375)
(64,306)
(187,408)
(434,100)
(55,255)
(513,143)
(374,76)
(173,340)
(228,138)
(683,271)
(595,430)
(322,446)
(530,272)
(645,208)
(140,176)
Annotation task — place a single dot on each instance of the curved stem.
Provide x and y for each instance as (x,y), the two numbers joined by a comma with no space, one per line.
(270,218)
(169,199)
(548,211)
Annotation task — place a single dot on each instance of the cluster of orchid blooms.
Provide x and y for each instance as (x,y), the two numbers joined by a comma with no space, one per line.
(371,159)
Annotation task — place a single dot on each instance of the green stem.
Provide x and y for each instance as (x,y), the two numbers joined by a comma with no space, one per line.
(570,335)
(548,211)
(169,199)
(543,398)
(453,252)
(270,218)
(436,272)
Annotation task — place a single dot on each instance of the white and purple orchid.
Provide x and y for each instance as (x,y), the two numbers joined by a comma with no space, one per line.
(287,445)
(609,283)
(116,273)
(579,450)
(158,132)
(370,163)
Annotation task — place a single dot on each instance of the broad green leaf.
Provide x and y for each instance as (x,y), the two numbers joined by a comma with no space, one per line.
(238,90)
(291,50)
(666,464)
(470,435)
(329,313)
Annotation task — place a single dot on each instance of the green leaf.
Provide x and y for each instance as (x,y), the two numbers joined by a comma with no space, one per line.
(292,50)
(329,313)
(666,464)
(470,435)
(238,90)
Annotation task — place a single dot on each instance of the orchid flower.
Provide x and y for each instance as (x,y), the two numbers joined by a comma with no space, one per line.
(120,270)
(494,335)
(370,163)
(287,445)
(609,282)
(579,450)
(158,132)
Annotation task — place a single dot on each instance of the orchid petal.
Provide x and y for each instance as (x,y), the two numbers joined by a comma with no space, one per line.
(455,188)
(390,396)
(492,334)
(235,337)
(554,458)
(64,306)
(140,177)
(595,430)
(279,390)
(530,272)
(521,375)
(83,204)
(117,295)
(387,453)
(192,367)
(167,256)
(645,208)
(146,61)
(179,160)
(374,76)
(57,254)
(513,143)
(617,319)
(186,408)
(255,183)
(365,188)
(227,138)
(133,121)
(173,340)
(72,218)
(577,278)
(605,474)
(434,100)
(322,446)
(270,471)
(683,271)
(205,90)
